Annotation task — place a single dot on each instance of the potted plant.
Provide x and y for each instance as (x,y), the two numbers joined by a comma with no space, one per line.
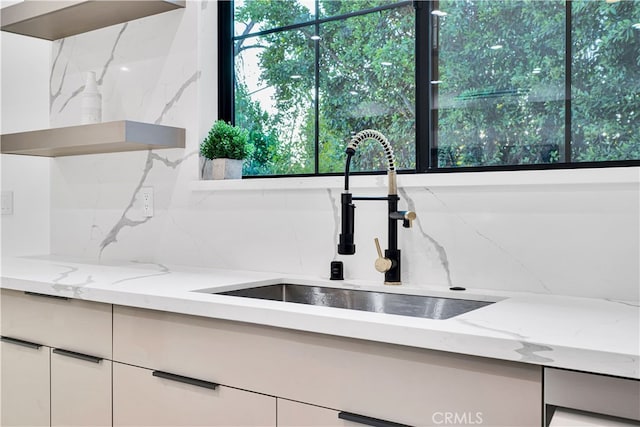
(224,149)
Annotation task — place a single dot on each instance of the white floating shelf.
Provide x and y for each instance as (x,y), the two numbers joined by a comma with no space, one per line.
(109,137)
(52,20)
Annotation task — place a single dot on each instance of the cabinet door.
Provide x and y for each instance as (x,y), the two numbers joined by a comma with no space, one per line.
(297,414)
(24,375)
(142,399)
(80,390)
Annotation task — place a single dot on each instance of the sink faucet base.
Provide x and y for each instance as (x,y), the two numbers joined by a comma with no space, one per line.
(392,276)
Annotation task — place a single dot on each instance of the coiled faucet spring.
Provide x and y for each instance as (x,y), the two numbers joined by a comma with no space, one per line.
(388,151)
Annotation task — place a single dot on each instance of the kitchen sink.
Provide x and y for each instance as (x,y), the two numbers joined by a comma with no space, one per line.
(377,302)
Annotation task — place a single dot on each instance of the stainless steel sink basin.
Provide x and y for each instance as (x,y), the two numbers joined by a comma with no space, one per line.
(377,302)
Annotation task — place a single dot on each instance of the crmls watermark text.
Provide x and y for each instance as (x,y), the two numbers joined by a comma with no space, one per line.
(457,418)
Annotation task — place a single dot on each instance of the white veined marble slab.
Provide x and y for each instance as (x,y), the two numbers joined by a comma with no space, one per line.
(593,335)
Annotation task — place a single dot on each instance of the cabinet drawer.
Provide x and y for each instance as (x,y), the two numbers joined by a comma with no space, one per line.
(72,324)
(141,398)
(400,384)
(594,393)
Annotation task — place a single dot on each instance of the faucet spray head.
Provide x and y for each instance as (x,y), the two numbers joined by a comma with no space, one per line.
(346,245)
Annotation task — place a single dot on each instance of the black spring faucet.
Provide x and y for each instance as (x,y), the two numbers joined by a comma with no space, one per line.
(389,264)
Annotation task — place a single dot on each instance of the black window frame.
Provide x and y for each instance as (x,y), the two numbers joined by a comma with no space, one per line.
(425,135)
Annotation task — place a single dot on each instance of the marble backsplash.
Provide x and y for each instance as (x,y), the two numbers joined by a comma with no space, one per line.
(572,239)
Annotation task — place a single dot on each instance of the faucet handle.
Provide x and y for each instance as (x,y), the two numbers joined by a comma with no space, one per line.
(409,217)
(382,264)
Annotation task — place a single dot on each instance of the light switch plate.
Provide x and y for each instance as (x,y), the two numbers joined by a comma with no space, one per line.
(6,202)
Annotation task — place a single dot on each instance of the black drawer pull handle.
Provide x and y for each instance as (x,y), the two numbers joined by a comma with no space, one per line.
(368,421)
(75,355)
(35,294)
(186,380)
(21,342)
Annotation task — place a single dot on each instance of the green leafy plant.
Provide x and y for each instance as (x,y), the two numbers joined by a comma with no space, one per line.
(225,141)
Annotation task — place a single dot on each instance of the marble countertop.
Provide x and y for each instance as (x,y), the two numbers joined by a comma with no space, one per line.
(592,335)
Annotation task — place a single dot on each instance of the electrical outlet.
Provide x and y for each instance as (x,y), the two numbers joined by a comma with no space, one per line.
(147,201)
(6,202)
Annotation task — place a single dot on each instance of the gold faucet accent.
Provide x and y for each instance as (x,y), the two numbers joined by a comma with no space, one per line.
(382,264)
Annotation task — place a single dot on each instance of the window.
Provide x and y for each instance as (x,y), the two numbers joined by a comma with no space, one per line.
(605,81)
(498,82)
(453,84)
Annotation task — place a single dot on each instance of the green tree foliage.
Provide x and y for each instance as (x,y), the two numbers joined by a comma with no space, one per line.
(606,74)
(507,105)
(502,90)
(269,156)
(500,99)
(366,81)
(285,63)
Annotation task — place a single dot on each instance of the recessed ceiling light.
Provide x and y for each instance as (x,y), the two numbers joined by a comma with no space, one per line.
(438,12)
(296,76)
(386,64)
(315,37)
(123,68)
(496,47)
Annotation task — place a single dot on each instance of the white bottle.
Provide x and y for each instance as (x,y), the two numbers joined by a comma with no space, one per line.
(91,101)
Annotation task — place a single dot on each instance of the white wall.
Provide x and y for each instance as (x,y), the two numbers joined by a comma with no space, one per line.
(24,94)
(562,232)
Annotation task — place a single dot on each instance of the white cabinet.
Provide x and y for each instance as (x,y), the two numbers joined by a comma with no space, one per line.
(80,390)
(65,380)
(67,323)
(24,378)
(296,414)
(591,393)
(143,397)
(387,382)
(101,365)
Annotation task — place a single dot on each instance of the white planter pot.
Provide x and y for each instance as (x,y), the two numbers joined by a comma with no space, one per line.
(221,169)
